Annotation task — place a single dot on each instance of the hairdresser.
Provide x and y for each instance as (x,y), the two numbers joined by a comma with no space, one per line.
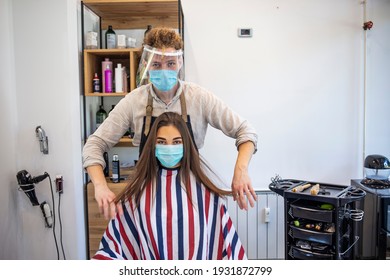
(161,89)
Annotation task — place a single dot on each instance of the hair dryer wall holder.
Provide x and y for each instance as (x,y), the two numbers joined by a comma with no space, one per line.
(43,140)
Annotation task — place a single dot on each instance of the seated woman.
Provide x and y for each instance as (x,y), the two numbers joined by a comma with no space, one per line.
(172,210)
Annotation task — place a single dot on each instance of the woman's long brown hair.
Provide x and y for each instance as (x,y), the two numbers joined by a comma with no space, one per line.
(147,166)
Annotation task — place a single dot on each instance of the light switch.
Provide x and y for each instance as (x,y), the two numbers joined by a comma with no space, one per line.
(245,32)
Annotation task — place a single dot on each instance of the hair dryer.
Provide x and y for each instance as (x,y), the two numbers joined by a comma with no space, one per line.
(26,183)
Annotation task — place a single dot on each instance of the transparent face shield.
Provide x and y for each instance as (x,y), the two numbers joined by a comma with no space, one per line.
(157,64)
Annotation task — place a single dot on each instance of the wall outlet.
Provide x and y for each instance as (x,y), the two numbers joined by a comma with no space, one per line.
(267,211)
(59,184)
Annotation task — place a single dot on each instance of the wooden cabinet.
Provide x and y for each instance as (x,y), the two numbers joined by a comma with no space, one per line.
(137,14)
(93,64)
(122,15)
(97,224)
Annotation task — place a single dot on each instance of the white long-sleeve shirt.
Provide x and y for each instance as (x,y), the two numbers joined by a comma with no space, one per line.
(203,108)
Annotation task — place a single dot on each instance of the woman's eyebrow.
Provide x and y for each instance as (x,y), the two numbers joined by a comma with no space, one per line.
(175,138)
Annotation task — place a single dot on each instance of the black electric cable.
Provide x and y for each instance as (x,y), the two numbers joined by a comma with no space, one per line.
(54,217)
(59,218)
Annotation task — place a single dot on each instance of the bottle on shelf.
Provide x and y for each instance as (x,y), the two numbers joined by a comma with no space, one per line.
(125,79)
(108,79)
(91,40)
(112,108)
(101,115)
(110,38)
(121,43)
(115,169)
(105,62)
(118,78)
(96,84)
(147,30)
(106,170)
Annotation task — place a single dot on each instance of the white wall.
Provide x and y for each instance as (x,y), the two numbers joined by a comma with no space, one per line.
(41,79)
(10,228)
(298,80)
(377,133)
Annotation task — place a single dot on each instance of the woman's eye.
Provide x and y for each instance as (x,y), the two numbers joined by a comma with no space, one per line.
(177,142)
(161,142)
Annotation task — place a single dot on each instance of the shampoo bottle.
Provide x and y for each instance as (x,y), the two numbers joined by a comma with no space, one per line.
(108,79)
(101,115)
(118,78)
(106,169)
(115,169)
(124,80)
(105,62)
(96,84)
(110,38)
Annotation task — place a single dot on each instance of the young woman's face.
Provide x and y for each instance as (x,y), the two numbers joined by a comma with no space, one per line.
(169,146)
(168,135)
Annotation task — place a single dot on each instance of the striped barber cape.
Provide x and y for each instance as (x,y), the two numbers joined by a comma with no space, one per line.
(169,225)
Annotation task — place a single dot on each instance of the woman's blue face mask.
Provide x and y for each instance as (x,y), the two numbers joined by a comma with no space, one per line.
(163,80)
(169,155)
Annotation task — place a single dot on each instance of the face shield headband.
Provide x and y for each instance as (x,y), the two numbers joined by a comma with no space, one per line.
(157,59)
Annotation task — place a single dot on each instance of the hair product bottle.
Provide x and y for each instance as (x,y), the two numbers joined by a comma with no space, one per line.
(108,79)
(125,80)
(147,30)
(110,38)
(115,169)
(105,62)
(118,78)
(101,115)
(112,108)
(121,41)
(96,84)
(107,168)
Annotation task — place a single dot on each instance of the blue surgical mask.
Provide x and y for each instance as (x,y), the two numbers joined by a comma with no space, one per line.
(163,80)
(169,155)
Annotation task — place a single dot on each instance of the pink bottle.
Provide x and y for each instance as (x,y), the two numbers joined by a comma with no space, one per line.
(108,79)
(105,62)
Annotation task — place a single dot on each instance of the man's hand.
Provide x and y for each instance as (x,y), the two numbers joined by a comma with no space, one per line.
(105,197)
(242,189)
(241,185)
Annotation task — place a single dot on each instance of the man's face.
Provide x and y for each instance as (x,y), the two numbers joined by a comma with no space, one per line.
(165,62)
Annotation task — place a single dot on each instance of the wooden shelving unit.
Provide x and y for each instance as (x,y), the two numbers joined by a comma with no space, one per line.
(93,64)
(135,14)
(122,15)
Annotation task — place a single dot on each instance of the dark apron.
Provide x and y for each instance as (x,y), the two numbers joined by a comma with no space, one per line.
(149,120)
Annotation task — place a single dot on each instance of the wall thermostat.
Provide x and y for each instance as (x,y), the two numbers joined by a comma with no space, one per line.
(245,32)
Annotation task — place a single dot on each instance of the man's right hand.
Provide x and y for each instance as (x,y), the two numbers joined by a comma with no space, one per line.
(105,197)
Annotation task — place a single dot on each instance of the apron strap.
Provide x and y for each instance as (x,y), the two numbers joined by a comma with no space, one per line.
(183,107)
(149,111)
